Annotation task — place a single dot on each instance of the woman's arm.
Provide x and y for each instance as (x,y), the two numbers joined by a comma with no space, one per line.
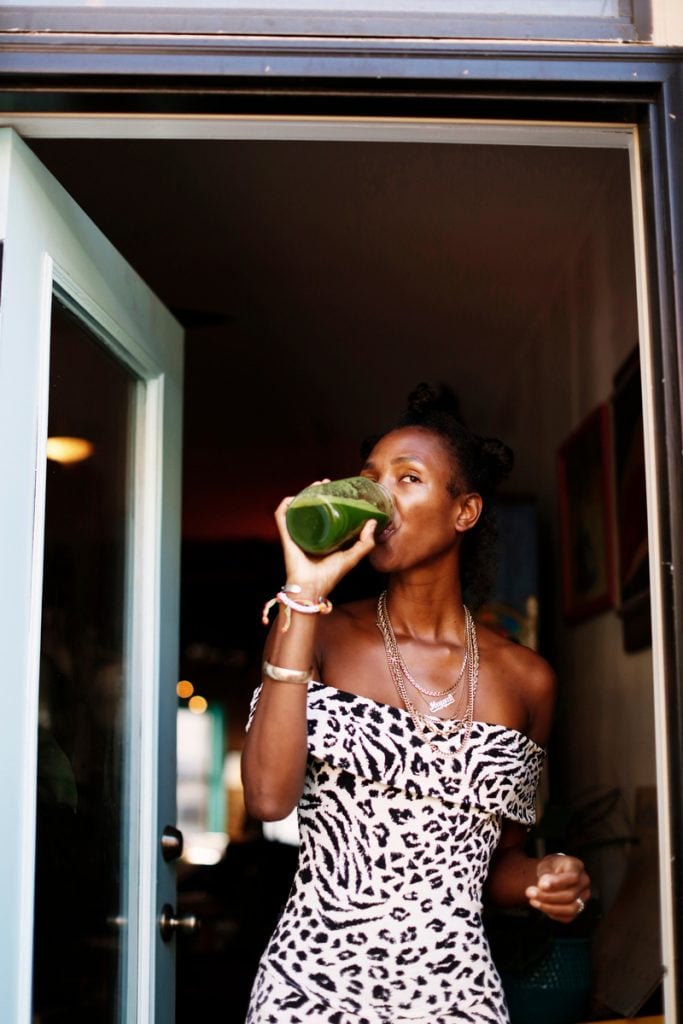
(552,884)
(275,750)
(557,885)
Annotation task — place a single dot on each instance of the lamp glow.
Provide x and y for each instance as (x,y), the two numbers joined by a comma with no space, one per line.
(204,847)
(68,450)
(184,688)
(197,704)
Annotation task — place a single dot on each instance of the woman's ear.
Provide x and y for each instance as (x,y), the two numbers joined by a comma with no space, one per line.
(468,511)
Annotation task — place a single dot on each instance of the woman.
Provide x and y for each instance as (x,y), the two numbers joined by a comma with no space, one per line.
(412,742)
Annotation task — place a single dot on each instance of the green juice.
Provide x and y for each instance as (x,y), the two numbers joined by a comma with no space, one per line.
(322,523)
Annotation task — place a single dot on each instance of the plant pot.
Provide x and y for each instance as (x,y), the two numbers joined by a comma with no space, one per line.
(556,989)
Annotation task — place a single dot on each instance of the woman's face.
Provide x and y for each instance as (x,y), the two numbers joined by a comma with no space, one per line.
(416,466)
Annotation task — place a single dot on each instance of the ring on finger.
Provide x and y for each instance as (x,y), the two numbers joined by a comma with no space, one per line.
(580,906)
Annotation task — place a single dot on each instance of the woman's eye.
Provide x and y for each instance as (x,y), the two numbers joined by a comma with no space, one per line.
(411,477)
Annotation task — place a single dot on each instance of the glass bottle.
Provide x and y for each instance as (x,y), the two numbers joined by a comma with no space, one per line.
(324,517)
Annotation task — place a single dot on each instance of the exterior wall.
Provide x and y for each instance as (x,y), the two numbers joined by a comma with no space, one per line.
(667,22)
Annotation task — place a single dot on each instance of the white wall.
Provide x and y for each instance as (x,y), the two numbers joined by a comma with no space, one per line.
(605,726)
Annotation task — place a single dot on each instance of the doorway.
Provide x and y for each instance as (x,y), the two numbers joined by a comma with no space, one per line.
(318,282)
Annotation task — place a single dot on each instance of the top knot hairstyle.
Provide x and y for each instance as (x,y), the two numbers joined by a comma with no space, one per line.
(480,464)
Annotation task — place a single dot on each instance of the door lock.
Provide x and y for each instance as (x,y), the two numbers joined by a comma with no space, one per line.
(169,924)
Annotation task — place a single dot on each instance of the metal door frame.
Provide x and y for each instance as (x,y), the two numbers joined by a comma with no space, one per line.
(205,77)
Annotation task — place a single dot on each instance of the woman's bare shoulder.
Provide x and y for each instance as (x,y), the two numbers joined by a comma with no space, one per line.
(527,673)
(515,657)
(348,640)
(355,616)
(364,610)
(346,622)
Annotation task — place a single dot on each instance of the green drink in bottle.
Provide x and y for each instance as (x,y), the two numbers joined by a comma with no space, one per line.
(324,517)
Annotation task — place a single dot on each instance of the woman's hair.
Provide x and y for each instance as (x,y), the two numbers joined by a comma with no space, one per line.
(480,465)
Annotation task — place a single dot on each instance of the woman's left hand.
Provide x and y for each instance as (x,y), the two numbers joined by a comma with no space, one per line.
(562,889)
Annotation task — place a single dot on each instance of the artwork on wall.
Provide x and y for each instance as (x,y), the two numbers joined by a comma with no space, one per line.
(631,506)
(586,518)
(512,610)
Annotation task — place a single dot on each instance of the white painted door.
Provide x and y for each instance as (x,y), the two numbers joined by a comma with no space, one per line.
(89,558)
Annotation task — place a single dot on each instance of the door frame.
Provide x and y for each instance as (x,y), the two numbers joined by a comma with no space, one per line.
(205,79)
(51,248)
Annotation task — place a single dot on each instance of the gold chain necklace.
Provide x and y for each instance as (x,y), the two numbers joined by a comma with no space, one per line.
(427,727)
(399,669)
(444,697)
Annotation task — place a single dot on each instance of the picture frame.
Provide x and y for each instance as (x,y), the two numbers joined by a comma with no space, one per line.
(631,505)
(587,518)
(513,607)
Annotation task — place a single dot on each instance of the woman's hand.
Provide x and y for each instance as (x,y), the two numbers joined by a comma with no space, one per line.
(318,575)
(276,747)
(562,888)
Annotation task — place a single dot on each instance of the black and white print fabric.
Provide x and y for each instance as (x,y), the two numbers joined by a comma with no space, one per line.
(383,920)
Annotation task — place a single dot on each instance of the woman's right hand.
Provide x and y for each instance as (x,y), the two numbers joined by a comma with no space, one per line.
(318,575)
(276,748)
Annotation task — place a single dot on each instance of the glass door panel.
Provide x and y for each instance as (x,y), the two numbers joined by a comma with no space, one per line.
(80,889)
(89,550)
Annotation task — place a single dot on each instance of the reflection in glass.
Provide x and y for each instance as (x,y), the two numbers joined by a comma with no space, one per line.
(79,937)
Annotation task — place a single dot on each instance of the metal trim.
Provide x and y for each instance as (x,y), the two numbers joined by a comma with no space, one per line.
(663,174)
(650,352)
(326,65)
(241,21)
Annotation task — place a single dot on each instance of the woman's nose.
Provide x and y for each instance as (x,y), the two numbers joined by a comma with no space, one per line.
(387,480)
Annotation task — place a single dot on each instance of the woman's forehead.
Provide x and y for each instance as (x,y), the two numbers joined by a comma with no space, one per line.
(406,443)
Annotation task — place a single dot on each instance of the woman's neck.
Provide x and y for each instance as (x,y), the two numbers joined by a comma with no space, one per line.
(428,607)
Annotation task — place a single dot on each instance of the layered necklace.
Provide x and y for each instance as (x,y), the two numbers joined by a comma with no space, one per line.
(428,727)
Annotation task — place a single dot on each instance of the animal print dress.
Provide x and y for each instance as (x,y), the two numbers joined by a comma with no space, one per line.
(382,923)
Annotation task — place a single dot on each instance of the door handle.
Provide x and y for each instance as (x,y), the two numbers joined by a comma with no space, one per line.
(169,924)
(171,843)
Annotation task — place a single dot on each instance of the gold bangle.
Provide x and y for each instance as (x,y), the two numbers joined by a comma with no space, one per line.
(287,675)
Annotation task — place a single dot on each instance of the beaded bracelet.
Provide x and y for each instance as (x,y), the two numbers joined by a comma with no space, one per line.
(323,606)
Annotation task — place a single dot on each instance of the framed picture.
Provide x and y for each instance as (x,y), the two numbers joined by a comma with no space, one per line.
(513,608)
(586,518)
(631,507)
